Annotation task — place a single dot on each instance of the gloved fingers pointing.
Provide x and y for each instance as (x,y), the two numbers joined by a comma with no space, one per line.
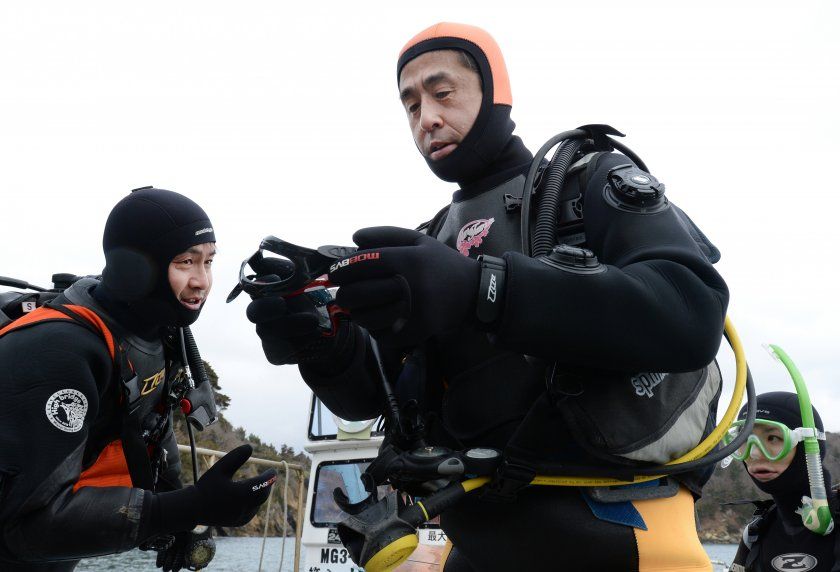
(231,462)
(386,236)
(266,309)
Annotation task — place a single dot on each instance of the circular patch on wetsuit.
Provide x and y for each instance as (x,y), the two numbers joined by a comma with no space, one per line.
(798,561)
(66,409)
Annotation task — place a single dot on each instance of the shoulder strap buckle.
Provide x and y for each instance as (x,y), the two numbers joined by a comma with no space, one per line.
(509,480)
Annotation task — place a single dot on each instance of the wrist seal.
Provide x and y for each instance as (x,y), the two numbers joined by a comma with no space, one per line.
(491,289)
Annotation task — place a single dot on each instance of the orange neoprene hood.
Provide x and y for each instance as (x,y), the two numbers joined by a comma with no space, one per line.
(475,41)
(491,135)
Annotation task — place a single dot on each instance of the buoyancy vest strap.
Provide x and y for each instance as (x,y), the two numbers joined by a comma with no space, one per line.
(78,314)
(109,470)
(671,541)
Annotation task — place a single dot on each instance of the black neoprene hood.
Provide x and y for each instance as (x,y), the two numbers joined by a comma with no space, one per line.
(144,231)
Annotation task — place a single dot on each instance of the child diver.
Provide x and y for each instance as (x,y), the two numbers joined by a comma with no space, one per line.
(783,456)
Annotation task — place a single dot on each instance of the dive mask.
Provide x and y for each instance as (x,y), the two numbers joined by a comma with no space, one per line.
(772,439)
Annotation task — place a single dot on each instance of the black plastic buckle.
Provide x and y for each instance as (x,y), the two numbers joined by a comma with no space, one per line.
(599,134)
(512,203)
(509,480)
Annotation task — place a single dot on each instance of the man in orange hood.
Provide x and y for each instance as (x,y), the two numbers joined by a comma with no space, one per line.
(626,285)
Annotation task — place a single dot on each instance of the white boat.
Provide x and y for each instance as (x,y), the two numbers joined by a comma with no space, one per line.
(341,451)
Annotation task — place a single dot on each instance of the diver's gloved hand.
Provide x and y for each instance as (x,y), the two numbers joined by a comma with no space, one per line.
(289,332)
(216,499)
(191,551)
(173,559)
(415,287)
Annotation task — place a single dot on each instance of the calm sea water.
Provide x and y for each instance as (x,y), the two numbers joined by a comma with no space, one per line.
(232,555)
(243,554)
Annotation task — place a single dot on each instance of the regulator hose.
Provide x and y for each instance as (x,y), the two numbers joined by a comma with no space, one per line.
(525,219)
(545,232)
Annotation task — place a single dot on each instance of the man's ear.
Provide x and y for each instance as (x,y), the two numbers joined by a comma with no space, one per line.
(129,274)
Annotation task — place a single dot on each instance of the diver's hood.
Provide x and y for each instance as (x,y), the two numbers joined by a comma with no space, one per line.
(493,126)
(144,231)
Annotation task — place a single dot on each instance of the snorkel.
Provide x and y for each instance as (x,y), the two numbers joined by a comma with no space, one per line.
(815,512)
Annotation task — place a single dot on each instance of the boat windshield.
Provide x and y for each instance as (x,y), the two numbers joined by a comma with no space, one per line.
(324,425)
(344,475)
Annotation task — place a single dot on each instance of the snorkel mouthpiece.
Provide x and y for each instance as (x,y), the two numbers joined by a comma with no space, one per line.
(815,512)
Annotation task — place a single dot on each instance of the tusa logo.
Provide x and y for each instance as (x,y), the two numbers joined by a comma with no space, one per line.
(264,484)
(354,259)
(645,382)
(150,383)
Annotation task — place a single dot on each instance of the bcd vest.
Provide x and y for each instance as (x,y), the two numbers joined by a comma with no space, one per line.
(123,444)
(616,420)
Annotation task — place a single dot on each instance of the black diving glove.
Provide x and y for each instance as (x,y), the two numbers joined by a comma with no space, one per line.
(191,551)
(290,333)
(216,499)
(405,286)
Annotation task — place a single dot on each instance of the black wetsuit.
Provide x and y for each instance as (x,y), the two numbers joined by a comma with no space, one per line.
(47,519)
(781,542)
(660,306)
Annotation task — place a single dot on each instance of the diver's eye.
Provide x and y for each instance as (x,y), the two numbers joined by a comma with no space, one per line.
(442,94)
(413,108)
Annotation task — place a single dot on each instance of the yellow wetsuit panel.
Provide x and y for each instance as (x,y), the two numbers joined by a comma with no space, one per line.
(670,543)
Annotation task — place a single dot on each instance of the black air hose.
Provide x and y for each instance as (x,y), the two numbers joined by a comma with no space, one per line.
(545,234)
(194,360)
(525,218)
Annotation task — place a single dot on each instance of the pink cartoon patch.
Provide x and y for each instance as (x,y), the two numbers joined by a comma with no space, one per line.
(472,234)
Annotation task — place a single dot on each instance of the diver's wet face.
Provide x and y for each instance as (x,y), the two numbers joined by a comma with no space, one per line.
(442,97)
(190,275)
(761,468)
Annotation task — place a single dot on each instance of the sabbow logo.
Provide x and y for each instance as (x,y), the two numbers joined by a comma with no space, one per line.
(472,234)
(264,484)
(354,259)
(203,231)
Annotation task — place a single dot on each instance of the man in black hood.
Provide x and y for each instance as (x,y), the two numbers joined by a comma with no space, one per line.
(88,459)
(777,539)
(489,327)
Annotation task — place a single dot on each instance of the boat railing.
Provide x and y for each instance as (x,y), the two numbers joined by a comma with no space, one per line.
(211,456)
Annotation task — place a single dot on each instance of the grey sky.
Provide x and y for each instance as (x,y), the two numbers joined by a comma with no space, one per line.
(283,118)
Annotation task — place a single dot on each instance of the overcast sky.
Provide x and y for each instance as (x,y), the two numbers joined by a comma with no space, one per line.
(283,118)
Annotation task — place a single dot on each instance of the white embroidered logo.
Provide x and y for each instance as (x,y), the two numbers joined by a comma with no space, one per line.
(66,409)
(203,231)
(491,290)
